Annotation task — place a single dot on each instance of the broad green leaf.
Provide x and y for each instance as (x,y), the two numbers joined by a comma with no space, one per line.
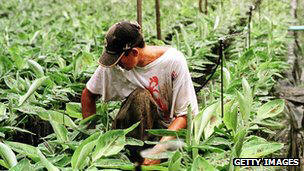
(15,55)
(133,141)
(273,124)
(114,164)
(154,168)
(89,119)
(245,58)
(270,109)
(201,120)
(45,162)
(28,150)
(11,82)
(60,131)
(23,165)
(258,147)
(237,148)
(33,39)
(247,92)
(7,155)
(3,163)
(38,70)
(84,153)
(200,163)
(216,23)
(215,120)
(5,63)
(190,124)
(123,165)
(83,150)
(175,161)
(166,132)
(218,141)
(230,115)
(5,128)
(110,143)
(244,107)
(153,153)
(3,112)
(184,36)
(35,85)
(239,140)
(131,128)
(219,159)
(73,110)
(209,148)
(30,109)
(51,115)
(61,62)
(227,78)
(66,160)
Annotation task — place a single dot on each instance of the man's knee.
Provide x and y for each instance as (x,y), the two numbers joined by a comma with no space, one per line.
(140,93)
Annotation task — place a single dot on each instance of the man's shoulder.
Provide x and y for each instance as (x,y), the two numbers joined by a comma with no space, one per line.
(176,56)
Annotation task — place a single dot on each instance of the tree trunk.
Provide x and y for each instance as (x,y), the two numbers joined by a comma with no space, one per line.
(157,4)
(139,12)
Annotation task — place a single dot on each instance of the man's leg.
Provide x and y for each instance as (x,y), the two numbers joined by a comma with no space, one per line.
(139,106)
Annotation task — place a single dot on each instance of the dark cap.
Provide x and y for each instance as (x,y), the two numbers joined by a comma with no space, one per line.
(121,37)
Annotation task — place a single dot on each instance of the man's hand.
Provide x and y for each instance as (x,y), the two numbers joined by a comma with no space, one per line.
(148,162)
(178,123)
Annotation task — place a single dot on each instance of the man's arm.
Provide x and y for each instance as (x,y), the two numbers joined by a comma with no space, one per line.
(178,123)
(88,103)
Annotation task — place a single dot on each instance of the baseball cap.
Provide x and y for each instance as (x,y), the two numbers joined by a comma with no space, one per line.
(120,38)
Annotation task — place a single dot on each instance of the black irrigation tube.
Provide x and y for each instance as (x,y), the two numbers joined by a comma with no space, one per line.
(222,77)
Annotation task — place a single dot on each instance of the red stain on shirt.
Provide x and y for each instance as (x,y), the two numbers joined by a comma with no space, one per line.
(153,88)
(173,75)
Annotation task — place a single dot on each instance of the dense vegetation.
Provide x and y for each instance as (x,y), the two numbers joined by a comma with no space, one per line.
(49,49)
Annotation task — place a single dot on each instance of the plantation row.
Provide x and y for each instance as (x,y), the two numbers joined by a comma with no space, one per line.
(49,49)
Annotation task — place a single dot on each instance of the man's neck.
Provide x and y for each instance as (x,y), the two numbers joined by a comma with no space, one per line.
(149,54)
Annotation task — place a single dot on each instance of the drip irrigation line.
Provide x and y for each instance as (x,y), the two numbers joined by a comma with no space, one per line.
(219,61)
(217,64)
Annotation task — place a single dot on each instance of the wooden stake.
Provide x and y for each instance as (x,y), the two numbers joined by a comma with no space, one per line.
(200,8)
(139,12)
(206,7)
(157,10)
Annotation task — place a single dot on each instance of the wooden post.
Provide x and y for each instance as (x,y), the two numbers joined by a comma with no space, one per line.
(139,12)
(249,25)
(206,7)
(158,29)
(200,8)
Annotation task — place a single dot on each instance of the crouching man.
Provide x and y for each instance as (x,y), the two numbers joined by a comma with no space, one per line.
(153,81)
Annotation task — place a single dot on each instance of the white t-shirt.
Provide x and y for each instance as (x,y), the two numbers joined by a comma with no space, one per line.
(167,79)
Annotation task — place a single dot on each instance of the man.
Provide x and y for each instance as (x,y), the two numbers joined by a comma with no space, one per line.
(154,80)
